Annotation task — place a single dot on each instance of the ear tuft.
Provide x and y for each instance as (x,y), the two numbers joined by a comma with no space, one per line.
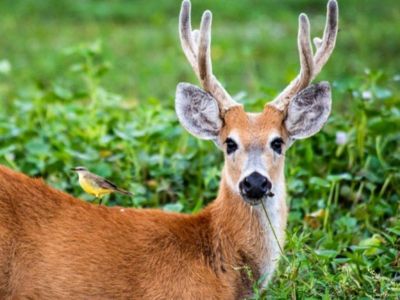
(197,111)
(308,111)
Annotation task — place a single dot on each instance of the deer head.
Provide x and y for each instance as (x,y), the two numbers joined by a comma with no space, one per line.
(254,144)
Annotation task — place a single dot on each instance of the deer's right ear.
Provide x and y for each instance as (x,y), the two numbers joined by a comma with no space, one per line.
(197,111)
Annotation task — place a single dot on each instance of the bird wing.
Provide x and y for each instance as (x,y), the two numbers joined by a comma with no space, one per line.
(107,184)
(100,182)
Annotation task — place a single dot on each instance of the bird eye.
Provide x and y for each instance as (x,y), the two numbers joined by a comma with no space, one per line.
(276,145)
(231,146)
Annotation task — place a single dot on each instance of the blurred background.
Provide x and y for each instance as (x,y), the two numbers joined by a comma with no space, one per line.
(92,83)
(254,42)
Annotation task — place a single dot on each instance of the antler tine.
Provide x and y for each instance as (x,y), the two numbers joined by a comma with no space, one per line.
(306,65)
(196,34)
(197,47)
(327,44)
(317,42)
(305,52)
(204,53)
(185,31)
(310,69)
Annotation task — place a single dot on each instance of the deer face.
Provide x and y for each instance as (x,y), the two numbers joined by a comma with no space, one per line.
(254,144)
(254,147)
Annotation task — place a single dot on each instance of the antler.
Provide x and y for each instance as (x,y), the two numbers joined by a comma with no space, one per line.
(196,46)
(310,65)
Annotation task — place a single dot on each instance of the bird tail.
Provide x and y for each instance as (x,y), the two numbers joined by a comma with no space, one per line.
(121,191)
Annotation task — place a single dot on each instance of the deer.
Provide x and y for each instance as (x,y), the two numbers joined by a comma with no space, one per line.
(55,246)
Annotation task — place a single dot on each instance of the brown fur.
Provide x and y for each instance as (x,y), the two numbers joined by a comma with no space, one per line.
(53,246)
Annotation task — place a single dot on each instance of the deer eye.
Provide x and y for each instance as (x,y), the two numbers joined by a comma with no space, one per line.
(276,145)
(231,146)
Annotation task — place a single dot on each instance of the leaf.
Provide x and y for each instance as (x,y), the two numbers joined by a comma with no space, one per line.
(372,244)
(5,66)
(62,92)
(37,147)
(338,177)
(317,181)
(326,253)
(382,93)
(314,219)
(173,207)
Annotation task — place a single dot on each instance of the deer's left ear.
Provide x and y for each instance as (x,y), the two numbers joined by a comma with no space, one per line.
(308,111)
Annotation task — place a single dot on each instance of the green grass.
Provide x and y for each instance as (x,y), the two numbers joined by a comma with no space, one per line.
(109,106)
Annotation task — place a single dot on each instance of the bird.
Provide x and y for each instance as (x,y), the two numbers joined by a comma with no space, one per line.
(96,185)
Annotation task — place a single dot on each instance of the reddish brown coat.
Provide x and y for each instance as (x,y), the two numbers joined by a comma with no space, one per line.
(53,246)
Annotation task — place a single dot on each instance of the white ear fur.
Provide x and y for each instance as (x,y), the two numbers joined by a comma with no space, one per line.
(197,111)
(308,111)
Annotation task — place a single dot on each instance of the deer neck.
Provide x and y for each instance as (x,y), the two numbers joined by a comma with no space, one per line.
(242,234)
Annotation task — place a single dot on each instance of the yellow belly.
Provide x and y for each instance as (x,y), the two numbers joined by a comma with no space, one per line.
(92,189)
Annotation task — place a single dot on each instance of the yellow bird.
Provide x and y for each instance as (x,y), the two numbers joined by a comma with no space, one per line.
(96,185)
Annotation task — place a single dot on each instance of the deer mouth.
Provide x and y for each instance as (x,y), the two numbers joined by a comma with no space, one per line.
(256,201)
(252,202)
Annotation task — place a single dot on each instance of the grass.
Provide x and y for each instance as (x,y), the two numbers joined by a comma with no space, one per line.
(64,67)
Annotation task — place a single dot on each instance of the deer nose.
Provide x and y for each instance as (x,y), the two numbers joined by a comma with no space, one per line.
(255,186)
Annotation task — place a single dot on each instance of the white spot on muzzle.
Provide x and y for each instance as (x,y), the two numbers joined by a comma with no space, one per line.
(254,163)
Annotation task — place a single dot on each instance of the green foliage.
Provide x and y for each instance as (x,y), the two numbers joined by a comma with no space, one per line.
(58,112)
(254,42)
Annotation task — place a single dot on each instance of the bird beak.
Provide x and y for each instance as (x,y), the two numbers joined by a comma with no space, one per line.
(73,169)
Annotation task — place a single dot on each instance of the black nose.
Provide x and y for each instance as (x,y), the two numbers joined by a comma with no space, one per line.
(255,186)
